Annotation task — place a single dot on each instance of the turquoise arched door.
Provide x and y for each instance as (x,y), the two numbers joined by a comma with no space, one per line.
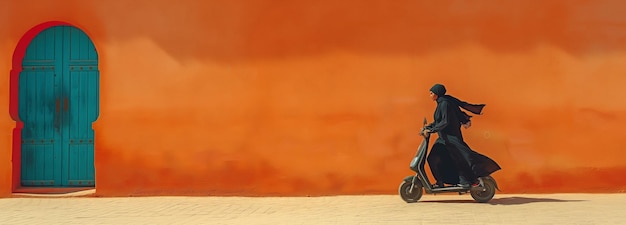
(58,102)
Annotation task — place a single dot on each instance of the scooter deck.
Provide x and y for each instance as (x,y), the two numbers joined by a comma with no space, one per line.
(449,189)
(456,189)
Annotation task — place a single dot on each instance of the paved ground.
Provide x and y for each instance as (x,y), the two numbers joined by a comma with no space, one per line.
(386,209)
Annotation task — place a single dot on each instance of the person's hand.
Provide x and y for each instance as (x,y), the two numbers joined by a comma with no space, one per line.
(425,131)
(467,125)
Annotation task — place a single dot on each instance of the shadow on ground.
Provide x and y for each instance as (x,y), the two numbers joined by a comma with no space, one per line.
(509,201)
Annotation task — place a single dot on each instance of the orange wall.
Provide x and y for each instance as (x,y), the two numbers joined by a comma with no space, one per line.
(267,97)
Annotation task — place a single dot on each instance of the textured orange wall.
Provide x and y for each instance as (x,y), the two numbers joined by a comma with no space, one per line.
(267,97)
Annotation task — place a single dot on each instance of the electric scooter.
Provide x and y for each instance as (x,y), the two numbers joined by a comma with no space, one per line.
(411,187)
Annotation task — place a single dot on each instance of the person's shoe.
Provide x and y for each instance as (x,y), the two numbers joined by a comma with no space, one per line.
(438,185)
(463,185)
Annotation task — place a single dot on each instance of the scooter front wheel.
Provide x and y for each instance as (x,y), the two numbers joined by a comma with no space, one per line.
(410,193)
(485,192)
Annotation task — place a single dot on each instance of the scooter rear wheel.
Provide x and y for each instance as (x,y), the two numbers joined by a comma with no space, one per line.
(410,194)
(485,193)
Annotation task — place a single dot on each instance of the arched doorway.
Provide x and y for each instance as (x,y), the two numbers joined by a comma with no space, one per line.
(57,102)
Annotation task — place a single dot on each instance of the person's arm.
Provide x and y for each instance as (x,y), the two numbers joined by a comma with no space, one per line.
(465,120)
(430,125)
(438,126)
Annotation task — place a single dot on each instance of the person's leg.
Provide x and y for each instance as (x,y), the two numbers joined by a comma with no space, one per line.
(435,163)
(466,175)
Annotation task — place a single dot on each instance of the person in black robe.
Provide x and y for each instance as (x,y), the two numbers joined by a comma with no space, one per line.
(451,160)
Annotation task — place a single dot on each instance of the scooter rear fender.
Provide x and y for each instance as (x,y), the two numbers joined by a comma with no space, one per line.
(494,181)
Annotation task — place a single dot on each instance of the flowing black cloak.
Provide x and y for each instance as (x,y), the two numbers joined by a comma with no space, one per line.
(450,155)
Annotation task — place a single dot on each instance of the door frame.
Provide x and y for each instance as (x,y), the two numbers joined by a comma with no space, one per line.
(18,56)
